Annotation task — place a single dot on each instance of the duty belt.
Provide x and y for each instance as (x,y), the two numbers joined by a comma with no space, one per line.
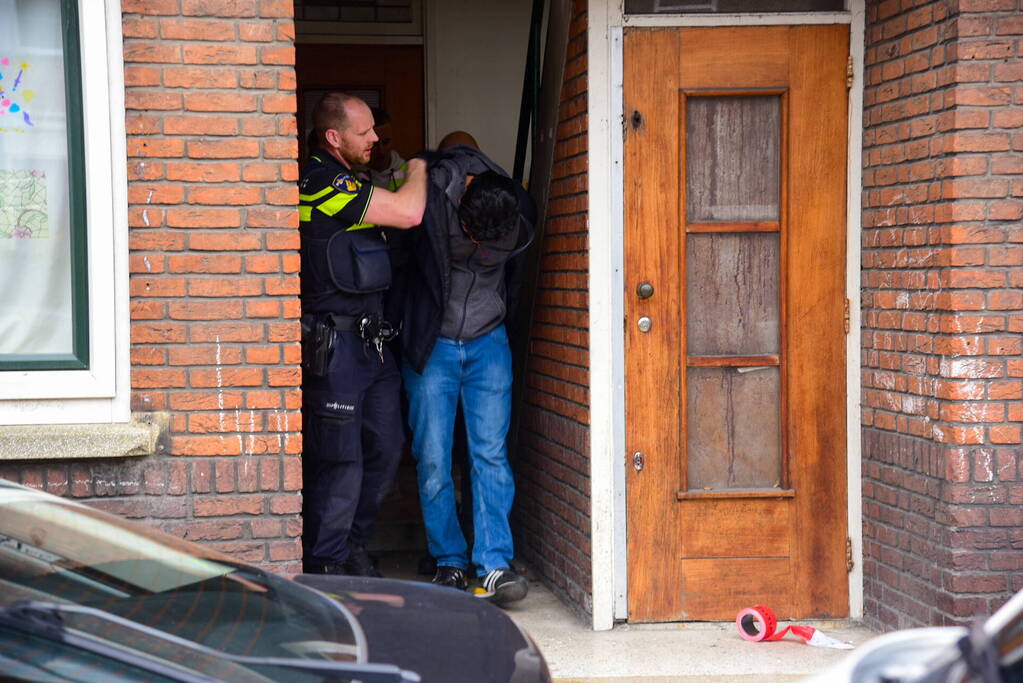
(346,323)
(372,328)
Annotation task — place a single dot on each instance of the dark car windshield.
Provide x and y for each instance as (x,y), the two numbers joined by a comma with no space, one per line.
(55,550)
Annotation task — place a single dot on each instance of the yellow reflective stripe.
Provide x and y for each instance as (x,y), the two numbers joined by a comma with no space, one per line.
(360,225)
(314,197)
(335,203)
(399,176)
(305,214)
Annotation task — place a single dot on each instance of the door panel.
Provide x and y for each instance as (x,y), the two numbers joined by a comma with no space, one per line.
(735,394)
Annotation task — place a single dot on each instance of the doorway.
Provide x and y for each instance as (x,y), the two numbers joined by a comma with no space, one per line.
(389,77)
(425,69)
(735,233)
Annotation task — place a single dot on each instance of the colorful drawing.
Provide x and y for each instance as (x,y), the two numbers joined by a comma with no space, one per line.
(14,116)
(23,211)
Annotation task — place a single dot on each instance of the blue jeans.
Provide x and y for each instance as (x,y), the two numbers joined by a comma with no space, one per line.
(477,372)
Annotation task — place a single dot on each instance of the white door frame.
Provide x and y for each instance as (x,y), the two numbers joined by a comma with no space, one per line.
(606,289)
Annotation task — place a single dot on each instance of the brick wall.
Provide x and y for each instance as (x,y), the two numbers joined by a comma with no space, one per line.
(552,513)
(210,98)
(942,310)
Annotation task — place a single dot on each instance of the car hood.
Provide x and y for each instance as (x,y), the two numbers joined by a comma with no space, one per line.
(902,655)
(440,633)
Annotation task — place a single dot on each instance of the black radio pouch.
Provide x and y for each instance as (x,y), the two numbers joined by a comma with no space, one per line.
(358,261)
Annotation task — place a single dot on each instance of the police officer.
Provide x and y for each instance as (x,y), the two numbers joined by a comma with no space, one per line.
(352,433)
(385,168)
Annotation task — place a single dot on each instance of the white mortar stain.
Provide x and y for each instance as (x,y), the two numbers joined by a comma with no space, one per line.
(984,470)
(220,389)
(972,413)
(964,367)
(913,405)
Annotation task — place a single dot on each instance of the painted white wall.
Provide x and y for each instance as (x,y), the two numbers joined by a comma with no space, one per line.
(475,61)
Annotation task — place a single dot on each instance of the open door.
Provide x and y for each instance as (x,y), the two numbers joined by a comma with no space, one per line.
(388,76)
(735,229)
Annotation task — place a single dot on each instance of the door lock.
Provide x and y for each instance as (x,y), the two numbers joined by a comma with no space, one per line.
(644,324)
(644,290)
(638,461)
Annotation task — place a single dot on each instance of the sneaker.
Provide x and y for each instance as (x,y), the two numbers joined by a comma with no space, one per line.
(313,567)
(452,577)
(501,586)
(359,563)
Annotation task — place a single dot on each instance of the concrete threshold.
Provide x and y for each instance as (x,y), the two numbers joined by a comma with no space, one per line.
(711,652)
(645,653)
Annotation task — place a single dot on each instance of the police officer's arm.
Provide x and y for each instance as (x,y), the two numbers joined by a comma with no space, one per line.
(404,208)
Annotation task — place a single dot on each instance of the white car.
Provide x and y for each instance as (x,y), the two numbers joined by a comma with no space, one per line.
(989,652)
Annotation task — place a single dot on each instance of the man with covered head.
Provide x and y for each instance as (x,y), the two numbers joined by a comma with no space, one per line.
(352,432)
(462,281)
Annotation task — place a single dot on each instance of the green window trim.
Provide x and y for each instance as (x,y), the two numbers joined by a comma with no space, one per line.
(78,359)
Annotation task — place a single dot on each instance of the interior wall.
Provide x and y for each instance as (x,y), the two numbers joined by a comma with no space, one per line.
(475,61)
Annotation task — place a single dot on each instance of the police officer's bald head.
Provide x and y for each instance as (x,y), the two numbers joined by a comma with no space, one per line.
(332,111)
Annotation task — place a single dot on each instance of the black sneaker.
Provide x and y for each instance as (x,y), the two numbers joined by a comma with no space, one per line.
(452,577)
(314,567)
(501,586)
(359,563)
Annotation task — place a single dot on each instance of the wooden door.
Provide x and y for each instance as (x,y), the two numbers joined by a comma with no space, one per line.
(390,76)
(735,218)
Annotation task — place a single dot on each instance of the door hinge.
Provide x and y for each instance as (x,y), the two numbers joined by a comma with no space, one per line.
(845,317)
(849,73)
(849,564)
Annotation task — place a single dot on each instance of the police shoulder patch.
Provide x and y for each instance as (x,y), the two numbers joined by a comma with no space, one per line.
(346,183)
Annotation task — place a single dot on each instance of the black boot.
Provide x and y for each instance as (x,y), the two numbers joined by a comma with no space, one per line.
(359,563)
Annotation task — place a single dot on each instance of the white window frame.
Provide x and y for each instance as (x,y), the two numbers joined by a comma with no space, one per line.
(101,393)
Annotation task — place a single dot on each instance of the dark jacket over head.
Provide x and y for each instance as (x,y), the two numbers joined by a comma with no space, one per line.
(423,283)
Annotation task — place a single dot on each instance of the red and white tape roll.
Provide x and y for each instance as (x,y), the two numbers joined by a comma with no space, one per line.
(758,623)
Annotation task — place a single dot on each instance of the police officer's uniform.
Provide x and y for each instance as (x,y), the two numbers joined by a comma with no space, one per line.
(391,178)
(353,433)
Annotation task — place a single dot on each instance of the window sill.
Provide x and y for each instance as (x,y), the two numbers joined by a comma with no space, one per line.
(80,442)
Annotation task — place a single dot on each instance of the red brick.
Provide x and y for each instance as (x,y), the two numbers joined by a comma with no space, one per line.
(1004,434)
(218,102)
(284,56)
(222,506)
(204,218)
(191,29)
(151,52)
(242,195)
(223,149)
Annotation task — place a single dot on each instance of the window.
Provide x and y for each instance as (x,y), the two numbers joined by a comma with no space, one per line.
(323,20)
(731,6)
(63,214)
(43,310)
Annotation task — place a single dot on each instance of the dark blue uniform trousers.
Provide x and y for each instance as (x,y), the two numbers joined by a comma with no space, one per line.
(352,441)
